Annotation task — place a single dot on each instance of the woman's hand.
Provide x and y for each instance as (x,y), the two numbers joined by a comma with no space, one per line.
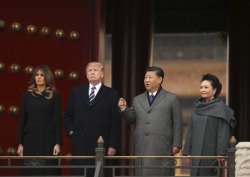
(20,150)
(56,149)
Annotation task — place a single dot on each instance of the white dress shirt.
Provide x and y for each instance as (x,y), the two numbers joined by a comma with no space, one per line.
(97,88)
(152,93)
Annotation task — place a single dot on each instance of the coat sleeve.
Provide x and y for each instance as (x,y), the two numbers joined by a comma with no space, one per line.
(223,136)
(69,114)
(22,120)
(129,114)
(115,131)
(177,123)
(58,118)
(188,141)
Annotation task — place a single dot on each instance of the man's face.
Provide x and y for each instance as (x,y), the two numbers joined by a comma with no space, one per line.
(152,82)
(94,72)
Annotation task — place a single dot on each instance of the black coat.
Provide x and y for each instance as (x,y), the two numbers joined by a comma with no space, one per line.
(40,124)
(89,121)
(39,131)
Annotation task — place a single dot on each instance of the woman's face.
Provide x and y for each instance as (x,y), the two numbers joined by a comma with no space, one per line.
(40,79)
(206,90)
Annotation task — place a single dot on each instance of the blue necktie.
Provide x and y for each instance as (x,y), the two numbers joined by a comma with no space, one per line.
(151,98)
(92,94)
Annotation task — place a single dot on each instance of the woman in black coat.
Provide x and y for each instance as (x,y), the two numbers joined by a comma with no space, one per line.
(210,127)
(39,131)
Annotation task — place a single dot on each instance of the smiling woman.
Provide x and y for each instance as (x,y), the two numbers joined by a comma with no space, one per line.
(211,122)
(210,87)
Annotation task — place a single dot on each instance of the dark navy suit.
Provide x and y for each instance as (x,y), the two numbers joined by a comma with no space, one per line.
(88,120)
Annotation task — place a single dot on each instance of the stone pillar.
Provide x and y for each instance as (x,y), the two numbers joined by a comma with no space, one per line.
(99,157)
(242,167)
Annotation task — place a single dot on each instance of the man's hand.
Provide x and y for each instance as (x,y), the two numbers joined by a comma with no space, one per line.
(111,151)
(56,149)
(122,103)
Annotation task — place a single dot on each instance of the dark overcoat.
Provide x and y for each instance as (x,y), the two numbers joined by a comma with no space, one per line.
(39,129)
(40,124)
(88,120)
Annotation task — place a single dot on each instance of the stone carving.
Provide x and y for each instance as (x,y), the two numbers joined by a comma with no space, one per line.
(242,159)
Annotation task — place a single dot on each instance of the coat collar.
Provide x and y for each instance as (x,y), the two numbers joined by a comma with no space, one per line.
(85,95)
(98,97)
(144,100)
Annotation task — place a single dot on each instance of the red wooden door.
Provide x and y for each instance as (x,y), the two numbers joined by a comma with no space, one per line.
(24,48)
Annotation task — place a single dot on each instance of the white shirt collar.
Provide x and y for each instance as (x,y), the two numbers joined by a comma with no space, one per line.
(97,86)
(152,93)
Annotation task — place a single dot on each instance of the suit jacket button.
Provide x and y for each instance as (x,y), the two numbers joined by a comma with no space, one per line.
(149,111)
(147,122)
(146,134)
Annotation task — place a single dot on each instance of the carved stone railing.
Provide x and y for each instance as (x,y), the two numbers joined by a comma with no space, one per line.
(242,167)
(99,158)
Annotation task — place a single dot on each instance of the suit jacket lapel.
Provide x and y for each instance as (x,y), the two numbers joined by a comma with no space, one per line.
(144,102)
(99,95)
(160,96)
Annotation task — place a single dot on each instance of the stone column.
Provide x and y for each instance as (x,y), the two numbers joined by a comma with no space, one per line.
(242,167)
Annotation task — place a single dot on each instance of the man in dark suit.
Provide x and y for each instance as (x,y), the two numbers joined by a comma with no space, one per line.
(91,112)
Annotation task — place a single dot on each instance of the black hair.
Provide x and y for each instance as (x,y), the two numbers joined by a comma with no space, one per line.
(158,71)
(214,82)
